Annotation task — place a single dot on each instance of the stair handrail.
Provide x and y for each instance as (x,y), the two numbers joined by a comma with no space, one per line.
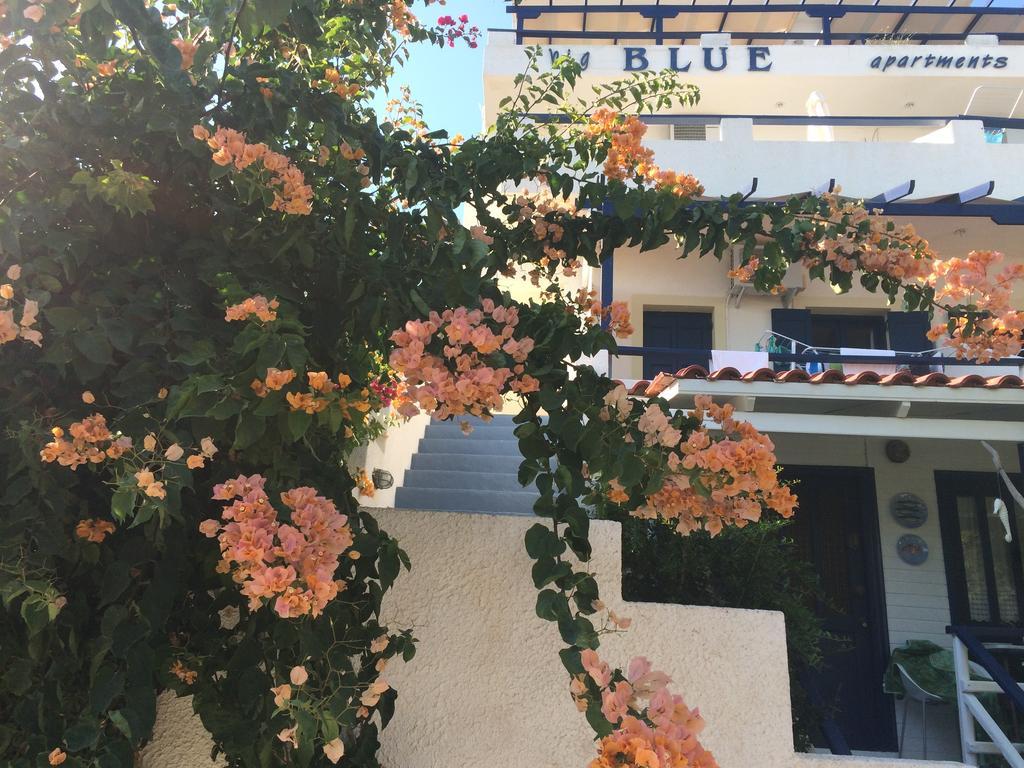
(966,641)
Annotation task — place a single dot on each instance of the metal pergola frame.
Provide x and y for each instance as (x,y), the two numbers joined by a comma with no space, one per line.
(657,13)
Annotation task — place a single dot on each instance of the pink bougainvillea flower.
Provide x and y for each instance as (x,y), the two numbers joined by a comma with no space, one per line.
(288,735)
(36,14)
(334,750)
(282,693)
(14,272)
(298,675)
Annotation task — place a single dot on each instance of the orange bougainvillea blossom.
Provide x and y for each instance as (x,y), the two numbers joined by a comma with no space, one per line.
(629,159)
(10,329)
(653,728)
(998,331)
(229,147)
(256,306)
(713,479)
(617,313)
(289,565)
(461,379)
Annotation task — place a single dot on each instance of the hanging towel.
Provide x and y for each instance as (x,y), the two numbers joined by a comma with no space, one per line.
(744,362)
(880,369)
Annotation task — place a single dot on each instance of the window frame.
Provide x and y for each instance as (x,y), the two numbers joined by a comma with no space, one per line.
(877,328)
(950,484)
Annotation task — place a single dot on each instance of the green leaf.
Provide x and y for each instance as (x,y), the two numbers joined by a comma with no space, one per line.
(36,613)
(551,605)
(95,347)
(116,579)
(547,570)
(571,660)
(418,302)
(123,502)
(18,677)
(109,682)
(250,429)
(271,13)
(298,424)
(541,541)
(81,735)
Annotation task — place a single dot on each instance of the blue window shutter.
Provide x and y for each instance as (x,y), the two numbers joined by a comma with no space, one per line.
(792,323)
(908,331)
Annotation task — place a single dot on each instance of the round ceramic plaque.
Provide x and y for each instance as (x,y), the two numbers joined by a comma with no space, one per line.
(912,549)
(908,510)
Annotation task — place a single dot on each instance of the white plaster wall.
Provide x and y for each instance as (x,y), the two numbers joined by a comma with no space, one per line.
(487,689)
(842,74)
(392,451)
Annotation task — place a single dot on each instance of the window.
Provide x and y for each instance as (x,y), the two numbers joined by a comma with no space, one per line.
(851,331)
(687,331)
(983,571)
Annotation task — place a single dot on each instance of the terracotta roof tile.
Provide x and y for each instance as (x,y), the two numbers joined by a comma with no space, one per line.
(794,375)
(639,387)
(692,372)
(864,377)
(662,381)
(828,376)
(970,380)
(1007,381)
(933,379)
(725,374)
(900,378)
(761,374)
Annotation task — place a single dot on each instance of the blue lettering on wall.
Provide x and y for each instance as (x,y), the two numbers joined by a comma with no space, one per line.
(757,53)
(636,59)
(673,59)
(709,64)
(759,59)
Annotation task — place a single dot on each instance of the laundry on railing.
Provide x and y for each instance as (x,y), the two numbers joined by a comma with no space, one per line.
(744,362)
(880,369)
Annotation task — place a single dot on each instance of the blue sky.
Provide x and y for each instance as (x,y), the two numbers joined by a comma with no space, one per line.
(449,82)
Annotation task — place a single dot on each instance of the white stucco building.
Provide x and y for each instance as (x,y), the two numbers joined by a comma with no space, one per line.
(915,105)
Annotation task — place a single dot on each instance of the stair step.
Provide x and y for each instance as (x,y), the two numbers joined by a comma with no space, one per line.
(453,432)
(453,479)
(445,500)
(500,420)
(461,445)
(468,462)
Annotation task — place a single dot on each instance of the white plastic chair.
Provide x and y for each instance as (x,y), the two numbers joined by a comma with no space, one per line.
(914,692)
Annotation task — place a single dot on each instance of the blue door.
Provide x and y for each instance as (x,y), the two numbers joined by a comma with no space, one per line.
(836,529)
(676,330)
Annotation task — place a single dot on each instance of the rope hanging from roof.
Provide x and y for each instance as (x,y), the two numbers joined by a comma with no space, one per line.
(999,506)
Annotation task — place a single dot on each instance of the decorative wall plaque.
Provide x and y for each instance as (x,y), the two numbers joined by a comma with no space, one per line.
(908,510)
(897,451)
(912,549)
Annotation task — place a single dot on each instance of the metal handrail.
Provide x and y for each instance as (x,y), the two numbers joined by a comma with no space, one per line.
(900,358)
(966,642)
(982,655)
(898,121)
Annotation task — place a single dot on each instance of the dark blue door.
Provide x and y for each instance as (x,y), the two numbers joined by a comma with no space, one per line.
(836,529)
(676,330)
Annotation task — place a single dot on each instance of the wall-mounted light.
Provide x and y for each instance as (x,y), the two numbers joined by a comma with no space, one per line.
(382,479)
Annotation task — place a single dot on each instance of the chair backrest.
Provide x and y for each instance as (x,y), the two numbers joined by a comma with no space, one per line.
(913,690)
(978,672)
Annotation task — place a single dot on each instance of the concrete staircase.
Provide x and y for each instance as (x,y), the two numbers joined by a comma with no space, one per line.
(454,472)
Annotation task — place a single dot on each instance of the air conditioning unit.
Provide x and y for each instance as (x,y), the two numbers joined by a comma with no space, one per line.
(792,282)
(689,132)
